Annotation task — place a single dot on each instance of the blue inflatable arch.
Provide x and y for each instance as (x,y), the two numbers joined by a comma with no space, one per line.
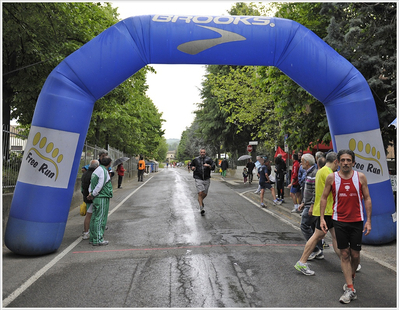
(44,190)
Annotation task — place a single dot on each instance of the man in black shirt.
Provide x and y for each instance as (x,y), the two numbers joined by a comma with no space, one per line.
(201,167)
(250,166)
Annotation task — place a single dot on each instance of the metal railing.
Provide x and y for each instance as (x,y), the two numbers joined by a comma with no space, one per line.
(14,145)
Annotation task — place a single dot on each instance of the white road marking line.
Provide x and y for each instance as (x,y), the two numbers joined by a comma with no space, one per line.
(363,252)
(270,212)
(42,271)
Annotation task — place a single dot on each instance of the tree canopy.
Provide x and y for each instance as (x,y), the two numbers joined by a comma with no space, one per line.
(262,103)
(37,37)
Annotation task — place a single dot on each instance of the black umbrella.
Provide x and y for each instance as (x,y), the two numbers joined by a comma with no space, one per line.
(119,161)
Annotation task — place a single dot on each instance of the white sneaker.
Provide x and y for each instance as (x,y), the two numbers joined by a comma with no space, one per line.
(86,235)
(314,254)
(304,268)
(348,296)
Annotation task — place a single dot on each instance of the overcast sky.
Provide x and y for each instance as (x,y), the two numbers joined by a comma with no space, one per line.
(175,88)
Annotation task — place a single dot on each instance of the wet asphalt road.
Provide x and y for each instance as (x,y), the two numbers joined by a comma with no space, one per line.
(164,254)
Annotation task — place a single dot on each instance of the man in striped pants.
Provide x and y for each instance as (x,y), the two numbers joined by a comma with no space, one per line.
(100,192)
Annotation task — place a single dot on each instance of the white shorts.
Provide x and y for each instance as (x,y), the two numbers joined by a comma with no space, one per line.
(202,185)
(90,207)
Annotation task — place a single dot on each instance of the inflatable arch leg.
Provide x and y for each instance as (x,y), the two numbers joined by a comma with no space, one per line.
(43,193)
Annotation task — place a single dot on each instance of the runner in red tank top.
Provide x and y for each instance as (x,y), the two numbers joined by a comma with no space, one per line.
(347,194)
(348,187)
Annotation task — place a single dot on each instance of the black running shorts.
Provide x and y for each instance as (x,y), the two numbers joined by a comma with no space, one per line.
(349,235)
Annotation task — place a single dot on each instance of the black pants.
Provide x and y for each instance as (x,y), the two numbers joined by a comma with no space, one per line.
(120,177)
(140,174)
(250,177)
(280,187)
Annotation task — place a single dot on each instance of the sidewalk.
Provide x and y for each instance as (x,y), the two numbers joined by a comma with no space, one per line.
(384,254)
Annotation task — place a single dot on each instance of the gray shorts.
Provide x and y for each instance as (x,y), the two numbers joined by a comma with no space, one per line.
(202,185)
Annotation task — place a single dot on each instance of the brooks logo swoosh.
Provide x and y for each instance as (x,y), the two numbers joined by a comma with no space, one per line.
(197,46)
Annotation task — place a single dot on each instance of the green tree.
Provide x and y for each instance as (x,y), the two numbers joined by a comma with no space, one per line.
(365,34)
(183,149)
(162,150)
(36,38)
(295,112)
(127,119)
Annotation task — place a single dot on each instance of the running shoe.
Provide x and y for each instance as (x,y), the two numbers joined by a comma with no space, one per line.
(320,256)
(101,243)
(314,254)
(304,268)
(348,296)
(262,205)
(202,209)
(86,235)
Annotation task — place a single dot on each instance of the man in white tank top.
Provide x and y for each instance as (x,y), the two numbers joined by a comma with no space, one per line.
(349,188)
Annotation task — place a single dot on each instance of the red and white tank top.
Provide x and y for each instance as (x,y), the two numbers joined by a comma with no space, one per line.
(347,194)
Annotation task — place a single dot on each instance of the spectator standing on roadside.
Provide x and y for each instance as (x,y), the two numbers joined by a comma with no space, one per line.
(224,166)
(103,153)
(85,184)
(85,168)
(264,181)
(257,166)
(100,192)
(245,174)
(301,176)
(140,169)
(202,167)
(295,188)
(281,170)
(250,166)
(121,172)
(317,156)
